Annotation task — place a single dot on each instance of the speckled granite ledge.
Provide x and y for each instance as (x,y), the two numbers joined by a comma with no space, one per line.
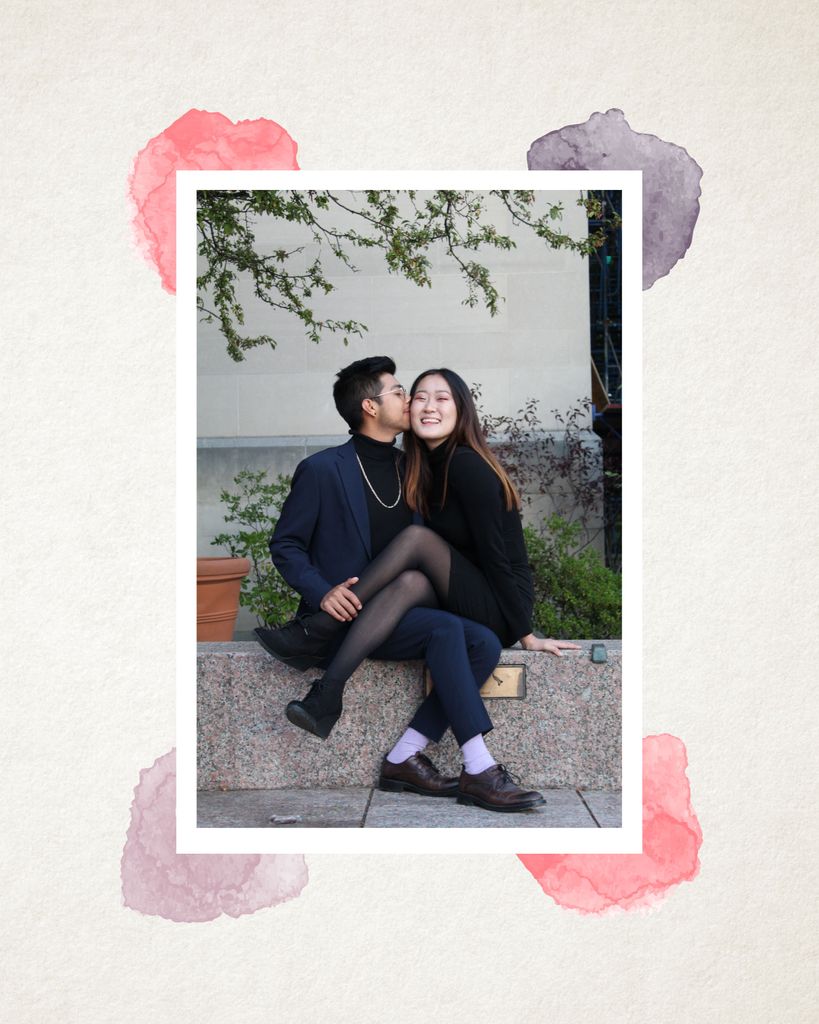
(566,732)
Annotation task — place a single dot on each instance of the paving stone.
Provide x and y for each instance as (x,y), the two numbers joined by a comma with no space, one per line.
(289,808)
(346,807)
(605,806)
(563,809)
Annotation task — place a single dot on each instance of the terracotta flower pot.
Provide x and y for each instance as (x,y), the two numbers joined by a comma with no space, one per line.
(218,581)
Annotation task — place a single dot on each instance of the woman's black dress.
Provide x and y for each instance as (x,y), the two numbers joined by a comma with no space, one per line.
(490,580)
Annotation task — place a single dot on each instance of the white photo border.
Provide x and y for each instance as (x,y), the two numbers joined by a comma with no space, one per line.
(189,838)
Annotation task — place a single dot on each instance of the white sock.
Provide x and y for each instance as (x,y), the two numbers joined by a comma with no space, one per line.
(476,756)
(410,743)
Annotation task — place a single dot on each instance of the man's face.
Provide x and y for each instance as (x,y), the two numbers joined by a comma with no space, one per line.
(393,405)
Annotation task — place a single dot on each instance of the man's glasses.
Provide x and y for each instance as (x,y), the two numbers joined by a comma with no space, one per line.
(399,389)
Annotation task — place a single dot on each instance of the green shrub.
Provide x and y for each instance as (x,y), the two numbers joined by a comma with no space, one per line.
(576,596)
(256,508)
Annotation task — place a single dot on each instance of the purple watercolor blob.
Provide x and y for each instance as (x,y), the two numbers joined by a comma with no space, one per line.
(194,887)
(671,179)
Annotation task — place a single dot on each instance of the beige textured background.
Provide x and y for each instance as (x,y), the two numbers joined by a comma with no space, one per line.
(730,508)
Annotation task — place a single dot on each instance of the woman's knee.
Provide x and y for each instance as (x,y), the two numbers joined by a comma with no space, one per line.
(415,584)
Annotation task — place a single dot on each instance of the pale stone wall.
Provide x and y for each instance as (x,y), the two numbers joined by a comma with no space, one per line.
(538,344)
(275,407)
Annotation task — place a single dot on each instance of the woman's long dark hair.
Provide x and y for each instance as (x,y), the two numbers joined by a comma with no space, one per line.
(467,432)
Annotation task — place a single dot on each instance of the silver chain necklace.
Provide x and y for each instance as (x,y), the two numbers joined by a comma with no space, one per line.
(375,493)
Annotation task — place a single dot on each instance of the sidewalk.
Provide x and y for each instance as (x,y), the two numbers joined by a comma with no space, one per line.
(365,807)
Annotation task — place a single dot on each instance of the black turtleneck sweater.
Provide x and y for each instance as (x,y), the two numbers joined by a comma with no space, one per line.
(380,462)
(475,521)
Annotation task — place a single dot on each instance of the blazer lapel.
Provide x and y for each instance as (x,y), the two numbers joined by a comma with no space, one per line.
(354,489)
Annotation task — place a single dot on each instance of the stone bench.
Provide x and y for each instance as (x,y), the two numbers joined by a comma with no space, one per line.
(564,732)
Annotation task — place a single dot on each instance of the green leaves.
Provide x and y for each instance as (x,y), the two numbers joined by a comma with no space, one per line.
(575,594)
(397,223)
(255,507)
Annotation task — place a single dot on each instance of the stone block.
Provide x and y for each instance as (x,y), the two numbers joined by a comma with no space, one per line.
(564,733)
(216,411)
(285,404)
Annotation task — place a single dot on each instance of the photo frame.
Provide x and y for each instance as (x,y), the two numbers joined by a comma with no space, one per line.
(193,839)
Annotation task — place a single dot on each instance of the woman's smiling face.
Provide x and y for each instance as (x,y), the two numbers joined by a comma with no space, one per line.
(433,413)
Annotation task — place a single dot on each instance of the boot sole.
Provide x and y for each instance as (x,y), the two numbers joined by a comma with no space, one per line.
(298,661)
(393,786)
(321,727)
(473,801)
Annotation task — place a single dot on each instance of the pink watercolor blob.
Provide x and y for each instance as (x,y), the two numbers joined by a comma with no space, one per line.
(671,179)
(200,140)
(671,840)
(194,887)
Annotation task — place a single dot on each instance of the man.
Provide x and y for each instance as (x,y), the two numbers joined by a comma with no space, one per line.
(345,506)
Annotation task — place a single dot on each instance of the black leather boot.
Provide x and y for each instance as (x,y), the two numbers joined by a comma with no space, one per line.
(319,711)
(294,644)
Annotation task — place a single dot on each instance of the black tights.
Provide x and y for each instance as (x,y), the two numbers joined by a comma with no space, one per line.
(412,571)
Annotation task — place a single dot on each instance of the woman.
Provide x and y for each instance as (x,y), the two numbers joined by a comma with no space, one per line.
(467,498)
(469,559)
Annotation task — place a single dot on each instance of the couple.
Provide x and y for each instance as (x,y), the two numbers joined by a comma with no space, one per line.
(445,591)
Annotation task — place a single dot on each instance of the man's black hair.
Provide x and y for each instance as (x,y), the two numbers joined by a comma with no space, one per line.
(354,383)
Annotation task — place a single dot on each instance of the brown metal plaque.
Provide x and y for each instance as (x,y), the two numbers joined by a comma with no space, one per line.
(505,681)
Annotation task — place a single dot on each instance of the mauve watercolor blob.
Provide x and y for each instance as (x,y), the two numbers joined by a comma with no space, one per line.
(671,179)
(198,141)
(194,887)
(671,841)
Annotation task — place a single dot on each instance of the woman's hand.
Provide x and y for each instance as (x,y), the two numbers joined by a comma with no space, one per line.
(536,643)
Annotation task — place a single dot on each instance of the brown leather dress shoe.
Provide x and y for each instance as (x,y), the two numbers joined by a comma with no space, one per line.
(495,790)
(418,775)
